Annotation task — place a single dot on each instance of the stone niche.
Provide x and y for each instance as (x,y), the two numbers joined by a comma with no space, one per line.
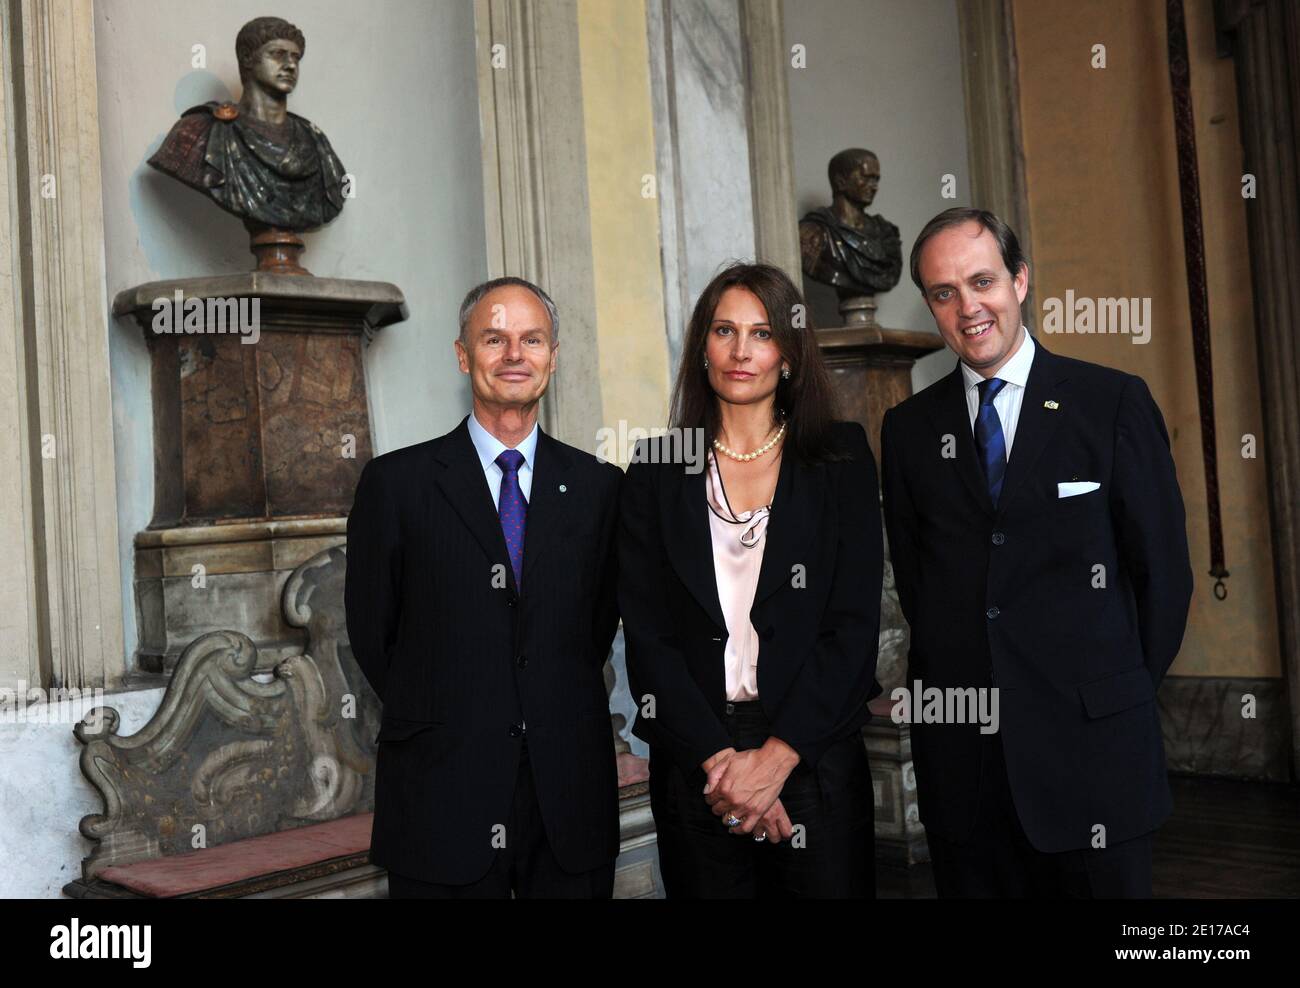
(261,429)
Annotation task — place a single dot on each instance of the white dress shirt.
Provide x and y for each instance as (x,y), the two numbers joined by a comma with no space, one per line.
(490,447)
(1008,400)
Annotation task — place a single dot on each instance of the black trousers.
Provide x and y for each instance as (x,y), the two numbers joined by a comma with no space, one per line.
(525,866)
(999,861)
(833,857)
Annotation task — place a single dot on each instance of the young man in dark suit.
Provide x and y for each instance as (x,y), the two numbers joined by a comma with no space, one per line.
(481,606)
(1038,542)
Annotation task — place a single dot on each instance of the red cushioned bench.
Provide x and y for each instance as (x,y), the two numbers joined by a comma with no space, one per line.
(318,860)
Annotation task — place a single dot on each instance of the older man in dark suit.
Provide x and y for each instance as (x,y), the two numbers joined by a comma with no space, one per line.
(480,605)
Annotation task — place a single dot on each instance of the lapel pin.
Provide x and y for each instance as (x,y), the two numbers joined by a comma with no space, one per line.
(1051,404)
(563,488)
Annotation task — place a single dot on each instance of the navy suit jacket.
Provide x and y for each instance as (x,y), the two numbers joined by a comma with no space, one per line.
(1074,607)
(461,657)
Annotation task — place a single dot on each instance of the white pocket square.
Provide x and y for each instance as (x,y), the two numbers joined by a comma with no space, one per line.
(1076,487)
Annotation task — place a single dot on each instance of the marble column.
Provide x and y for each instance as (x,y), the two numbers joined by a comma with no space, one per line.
(702,150)
(61,588)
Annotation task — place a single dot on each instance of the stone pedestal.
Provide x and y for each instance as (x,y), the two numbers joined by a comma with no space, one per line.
(636,872)
(871,371)
(261,430)
(270,423)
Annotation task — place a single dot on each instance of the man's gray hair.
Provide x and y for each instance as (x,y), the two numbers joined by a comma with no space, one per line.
(476,294)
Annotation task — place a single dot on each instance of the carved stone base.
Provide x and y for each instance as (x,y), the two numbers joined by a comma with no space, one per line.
(244,569)
(900,838)
(636,872)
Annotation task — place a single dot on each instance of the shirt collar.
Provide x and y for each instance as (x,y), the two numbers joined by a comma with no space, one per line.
(1014,371)
(489,447)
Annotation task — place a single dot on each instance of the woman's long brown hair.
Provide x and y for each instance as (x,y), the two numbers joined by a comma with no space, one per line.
(806,398)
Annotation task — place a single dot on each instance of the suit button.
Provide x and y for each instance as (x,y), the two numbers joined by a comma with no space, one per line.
(522,661)
(998,538)
(512,600)
(992,613)
(516,731)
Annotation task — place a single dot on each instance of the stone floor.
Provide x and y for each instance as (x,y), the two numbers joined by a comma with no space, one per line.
(1226,840)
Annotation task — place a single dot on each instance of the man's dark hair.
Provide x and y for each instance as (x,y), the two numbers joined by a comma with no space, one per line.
(257,32)
(1008,245)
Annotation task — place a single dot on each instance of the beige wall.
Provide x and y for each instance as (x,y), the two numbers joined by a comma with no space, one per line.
(1102,172)
(619,130)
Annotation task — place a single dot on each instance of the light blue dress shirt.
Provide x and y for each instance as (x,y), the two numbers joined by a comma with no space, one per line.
(489,447)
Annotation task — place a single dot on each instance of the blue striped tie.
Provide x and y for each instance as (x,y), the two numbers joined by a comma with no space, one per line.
(513,510)
(990,442)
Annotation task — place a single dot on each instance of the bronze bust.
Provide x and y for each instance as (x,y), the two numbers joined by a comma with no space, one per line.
(272,168)
(856,252)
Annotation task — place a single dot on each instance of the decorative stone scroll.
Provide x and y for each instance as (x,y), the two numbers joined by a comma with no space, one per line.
(232,753)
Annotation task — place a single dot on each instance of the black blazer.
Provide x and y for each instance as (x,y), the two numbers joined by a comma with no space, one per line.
(817,642)
(1013,597)
(460,658)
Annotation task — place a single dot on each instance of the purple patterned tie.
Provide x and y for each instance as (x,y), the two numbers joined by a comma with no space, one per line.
(513,510)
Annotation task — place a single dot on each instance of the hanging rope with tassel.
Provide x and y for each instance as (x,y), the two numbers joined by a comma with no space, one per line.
(1189,187)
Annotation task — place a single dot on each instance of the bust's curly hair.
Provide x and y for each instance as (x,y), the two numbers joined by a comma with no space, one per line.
(257,32)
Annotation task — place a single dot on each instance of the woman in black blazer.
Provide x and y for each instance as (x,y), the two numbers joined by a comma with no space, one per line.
(749,586)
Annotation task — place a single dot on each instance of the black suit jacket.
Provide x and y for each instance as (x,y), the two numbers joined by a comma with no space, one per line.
(817,642)
(460,658)
(1013,597)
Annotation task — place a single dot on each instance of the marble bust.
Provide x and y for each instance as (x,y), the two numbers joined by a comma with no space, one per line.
(255,159)
(842,245)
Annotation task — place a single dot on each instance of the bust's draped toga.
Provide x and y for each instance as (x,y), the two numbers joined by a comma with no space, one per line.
(867,260)
(284,176)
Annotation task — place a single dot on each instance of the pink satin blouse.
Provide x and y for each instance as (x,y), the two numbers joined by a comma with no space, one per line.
(738,541)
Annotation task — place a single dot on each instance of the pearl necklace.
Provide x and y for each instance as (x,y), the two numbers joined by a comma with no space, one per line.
(746,457)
